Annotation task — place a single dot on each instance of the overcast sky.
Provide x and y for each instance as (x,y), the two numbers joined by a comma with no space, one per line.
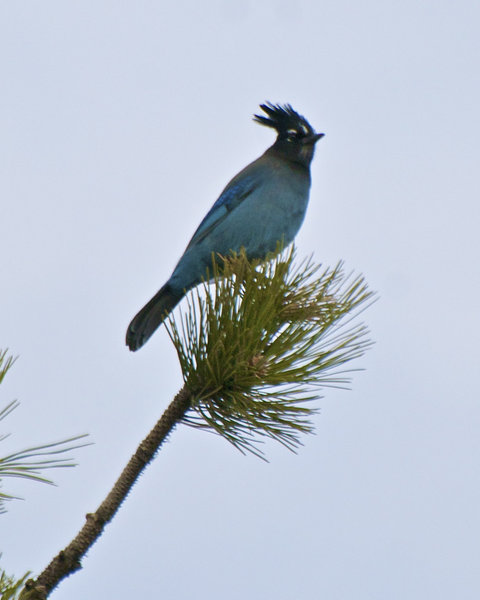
(120,125)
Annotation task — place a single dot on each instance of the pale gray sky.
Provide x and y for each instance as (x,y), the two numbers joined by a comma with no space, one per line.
(121,123)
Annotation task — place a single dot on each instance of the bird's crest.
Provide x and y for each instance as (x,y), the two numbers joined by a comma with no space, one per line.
(287,122)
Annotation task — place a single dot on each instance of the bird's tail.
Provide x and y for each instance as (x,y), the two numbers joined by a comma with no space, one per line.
(150,317)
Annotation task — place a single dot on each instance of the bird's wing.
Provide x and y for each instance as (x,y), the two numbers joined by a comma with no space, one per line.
(235,193)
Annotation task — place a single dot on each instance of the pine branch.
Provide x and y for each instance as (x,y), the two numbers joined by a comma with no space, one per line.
(30,463)
(69,559)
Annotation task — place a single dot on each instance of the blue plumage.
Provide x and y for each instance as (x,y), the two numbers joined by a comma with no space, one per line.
(263,205)
(231,196)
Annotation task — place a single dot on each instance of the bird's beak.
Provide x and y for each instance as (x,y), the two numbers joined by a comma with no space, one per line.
(316,137)
(313,139)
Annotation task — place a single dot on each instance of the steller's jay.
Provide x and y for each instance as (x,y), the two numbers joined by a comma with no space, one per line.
(261,206)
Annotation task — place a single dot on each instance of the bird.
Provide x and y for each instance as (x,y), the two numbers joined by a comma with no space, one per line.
(263,206)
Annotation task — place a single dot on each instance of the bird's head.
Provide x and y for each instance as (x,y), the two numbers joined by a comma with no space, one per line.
(296,138)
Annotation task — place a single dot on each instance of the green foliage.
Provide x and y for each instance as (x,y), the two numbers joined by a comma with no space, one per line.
(10,588)
(31,462)
(5,363)
(260,343)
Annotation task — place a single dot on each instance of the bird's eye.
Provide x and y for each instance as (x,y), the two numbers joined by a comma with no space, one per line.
(292,135)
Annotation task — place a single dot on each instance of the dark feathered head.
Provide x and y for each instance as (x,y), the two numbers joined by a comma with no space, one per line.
(296,138)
